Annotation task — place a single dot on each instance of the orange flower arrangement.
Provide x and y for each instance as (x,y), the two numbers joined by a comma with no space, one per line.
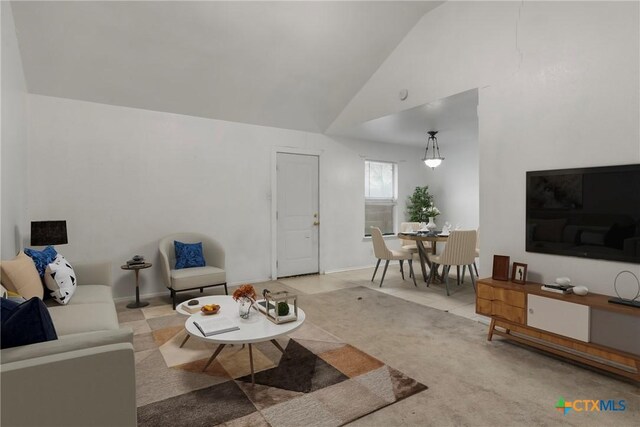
(245,291)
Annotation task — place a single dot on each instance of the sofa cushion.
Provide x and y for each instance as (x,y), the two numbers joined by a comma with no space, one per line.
(42,258)
(78,318)
(26,323)
(60,280)
(188,255)
(20,275)
(197,276)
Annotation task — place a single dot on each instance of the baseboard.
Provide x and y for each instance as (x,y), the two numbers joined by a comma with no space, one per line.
(342,270)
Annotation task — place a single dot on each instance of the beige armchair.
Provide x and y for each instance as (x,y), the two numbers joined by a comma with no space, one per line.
(381,252)
(188,279)
(459,251)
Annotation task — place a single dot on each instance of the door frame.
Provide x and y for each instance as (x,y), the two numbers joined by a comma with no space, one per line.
(274,203)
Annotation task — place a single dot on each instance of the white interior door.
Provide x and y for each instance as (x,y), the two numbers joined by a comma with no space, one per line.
(297,214)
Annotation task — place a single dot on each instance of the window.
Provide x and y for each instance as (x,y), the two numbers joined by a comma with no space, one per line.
(380,196)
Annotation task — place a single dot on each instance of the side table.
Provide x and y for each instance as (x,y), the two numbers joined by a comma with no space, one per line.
(136,268)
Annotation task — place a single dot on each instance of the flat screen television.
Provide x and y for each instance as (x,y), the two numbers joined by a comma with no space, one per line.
(586,212)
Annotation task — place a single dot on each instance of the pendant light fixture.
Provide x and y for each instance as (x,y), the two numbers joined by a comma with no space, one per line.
(435,159)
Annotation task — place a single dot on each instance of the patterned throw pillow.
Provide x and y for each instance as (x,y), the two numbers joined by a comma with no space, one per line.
(42,258)
(60,279)
(188,255)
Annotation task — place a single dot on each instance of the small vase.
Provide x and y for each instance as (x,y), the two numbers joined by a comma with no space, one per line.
(244,307)
(431,225)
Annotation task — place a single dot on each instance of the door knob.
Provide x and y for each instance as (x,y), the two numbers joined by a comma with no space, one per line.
(316,222)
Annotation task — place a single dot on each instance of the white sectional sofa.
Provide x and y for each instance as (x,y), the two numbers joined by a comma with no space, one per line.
(84,378)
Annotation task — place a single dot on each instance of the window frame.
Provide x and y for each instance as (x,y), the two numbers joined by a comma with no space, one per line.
(383,201)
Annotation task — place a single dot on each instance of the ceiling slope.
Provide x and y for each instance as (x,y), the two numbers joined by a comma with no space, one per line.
(292,65)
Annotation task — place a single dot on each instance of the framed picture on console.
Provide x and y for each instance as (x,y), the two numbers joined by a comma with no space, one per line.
(500,267)
(519,273)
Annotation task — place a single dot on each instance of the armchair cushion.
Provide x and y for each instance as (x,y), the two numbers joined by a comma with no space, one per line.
(189,255)
(26,323)
(190,278)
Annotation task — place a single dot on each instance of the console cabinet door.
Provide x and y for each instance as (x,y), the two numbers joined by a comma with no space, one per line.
(559,317)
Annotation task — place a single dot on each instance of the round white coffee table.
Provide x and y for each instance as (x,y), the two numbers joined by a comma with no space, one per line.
(257,328)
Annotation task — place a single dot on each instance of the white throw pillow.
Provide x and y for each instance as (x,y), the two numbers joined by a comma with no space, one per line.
(60,279)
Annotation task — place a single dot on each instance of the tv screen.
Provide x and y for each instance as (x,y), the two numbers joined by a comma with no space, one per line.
(588,212)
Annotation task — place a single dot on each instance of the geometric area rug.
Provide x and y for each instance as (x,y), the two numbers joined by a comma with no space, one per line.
(319,381)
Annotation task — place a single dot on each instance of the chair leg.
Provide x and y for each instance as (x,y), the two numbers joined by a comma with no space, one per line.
(434,268)
(445,271)
(375,271)
(226,292)
(386,264)
(402,268)
(201,290)
(475,266)
(464,272)
(458,275)
(473,280)
(173,297)
(411,273)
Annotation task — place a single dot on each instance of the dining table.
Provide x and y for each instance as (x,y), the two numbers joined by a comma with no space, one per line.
(420,237)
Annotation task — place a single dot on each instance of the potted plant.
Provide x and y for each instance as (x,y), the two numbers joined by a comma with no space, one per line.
(418,203)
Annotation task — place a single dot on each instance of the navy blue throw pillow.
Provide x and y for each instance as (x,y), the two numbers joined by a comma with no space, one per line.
(188,255)
(29,323)
(42,258)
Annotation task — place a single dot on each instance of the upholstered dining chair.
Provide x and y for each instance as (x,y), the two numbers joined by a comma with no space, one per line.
(188,279)
(475,266)
(381,252)
(460,250)
(411,245)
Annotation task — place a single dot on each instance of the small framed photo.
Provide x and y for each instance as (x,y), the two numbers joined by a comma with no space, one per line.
(519,273)
(500,267)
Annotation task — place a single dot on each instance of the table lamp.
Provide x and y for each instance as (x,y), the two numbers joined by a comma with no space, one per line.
(45,233)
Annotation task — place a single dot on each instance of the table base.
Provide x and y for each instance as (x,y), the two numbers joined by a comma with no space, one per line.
(137,304)
(221,346)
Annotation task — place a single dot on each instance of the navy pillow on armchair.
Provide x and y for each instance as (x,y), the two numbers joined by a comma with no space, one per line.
(26,323)
(188,255)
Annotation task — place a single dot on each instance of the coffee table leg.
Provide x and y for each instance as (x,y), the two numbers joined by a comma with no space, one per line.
(185,340)
(213,356)
(253,381)
(278,346)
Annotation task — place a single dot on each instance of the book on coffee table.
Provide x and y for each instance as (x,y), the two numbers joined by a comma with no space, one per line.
(215,325)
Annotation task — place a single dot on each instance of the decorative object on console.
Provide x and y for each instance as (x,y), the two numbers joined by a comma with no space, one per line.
(519,273)
(277,308)
(563,281)
(633,302)
(435,159)
(44,233)
(500,267)
(188,255)
(21,276)
(60,280)
(580,290)
(245,295)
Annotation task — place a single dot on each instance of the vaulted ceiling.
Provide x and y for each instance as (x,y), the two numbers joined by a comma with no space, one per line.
(293,65)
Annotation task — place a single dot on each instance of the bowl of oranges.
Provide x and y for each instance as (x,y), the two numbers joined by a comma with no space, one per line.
(210,309)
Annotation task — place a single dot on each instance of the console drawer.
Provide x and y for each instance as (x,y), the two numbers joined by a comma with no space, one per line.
(559,317)
(508,296)
(508,312)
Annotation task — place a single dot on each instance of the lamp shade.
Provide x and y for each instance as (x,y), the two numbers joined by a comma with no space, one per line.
(45,233)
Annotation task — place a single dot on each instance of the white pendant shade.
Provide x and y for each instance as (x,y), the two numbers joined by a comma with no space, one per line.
(432,163)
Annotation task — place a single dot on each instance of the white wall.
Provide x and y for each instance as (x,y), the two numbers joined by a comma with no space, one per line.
(14,140)
(455,183)
(123,178)
(558,88)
